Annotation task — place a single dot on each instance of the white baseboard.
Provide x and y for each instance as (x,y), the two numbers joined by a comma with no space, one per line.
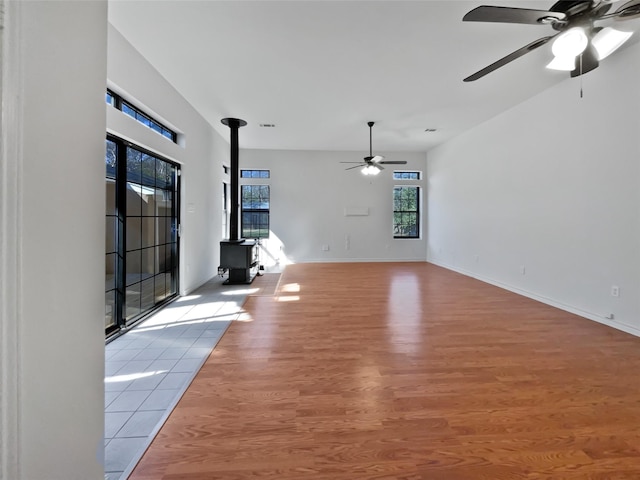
(542,299)
(362,260)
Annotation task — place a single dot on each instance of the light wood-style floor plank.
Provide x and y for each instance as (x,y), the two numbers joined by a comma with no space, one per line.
(405,371)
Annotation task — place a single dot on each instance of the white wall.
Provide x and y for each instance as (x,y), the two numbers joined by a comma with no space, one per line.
(201,153)
(58,143)
(309,194)
(553,185)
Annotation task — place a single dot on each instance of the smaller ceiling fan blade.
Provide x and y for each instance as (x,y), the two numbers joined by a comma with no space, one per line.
(586,62)
(394,162)
(357,166)
(487,13)
(509,58)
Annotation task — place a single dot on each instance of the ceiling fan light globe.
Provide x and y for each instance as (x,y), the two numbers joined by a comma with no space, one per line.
(570,43)
(370,170)
(608,40)
(566,64)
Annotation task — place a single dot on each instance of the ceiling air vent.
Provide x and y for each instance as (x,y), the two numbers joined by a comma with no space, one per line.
(430,130)
(268,125)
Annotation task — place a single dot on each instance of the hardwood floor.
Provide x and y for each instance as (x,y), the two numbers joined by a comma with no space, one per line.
(405,371)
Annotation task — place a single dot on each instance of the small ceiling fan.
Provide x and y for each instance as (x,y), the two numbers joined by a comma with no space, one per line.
(372,164)
(579,44)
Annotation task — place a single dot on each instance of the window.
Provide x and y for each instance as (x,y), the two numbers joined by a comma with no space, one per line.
(254,173)
(406,175)
(225,210)
(111,100)
(255,211)
(406,212)
(125,107)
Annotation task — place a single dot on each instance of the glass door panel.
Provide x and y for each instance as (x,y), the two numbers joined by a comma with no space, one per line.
(111,230)
(141,233)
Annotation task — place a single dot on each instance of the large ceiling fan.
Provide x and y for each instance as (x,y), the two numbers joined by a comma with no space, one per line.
(578,45)
(372,164)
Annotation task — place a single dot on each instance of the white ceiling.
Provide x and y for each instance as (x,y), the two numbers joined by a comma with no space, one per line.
(320,69)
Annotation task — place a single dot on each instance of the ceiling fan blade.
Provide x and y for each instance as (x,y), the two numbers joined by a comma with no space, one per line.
(571,7)
(487,13)
(357,166)
(393,162)
(628,10)
(509,58)
(360,163)
(586,62)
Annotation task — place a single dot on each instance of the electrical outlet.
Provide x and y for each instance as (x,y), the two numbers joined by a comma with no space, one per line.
(325,248)
(615,291)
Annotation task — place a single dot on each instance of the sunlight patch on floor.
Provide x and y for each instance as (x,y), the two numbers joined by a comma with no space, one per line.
(290,288)
(289,298)
(132,376)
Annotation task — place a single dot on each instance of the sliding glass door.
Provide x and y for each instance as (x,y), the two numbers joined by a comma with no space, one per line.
(141,233)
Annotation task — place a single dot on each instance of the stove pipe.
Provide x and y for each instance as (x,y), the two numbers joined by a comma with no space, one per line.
(234,124)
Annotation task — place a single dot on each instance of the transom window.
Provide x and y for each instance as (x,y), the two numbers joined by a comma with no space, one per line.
(406,212)
(255,211)
(254,173)
(111,99)
(397,175)
(125,107)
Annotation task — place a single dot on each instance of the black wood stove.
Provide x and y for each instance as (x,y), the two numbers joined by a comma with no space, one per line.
(238,256)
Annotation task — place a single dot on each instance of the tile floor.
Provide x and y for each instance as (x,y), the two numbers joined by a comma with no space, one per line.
(149,368)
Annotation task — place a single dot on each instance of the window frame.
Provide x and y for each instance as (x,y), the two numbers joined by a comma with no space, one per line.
(397,175)
(263,211)
(255,173)
(417,213)
(140,116)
